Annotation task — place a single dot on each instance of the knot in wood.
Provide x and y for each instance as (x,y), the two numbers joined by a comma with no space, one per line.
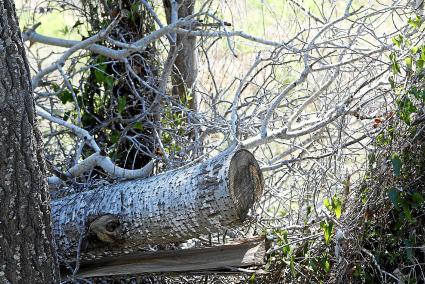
(107,228)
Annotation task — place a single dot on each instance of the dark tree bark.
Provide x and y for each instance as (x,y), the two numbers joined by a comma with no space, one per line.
(27,251)
(185,68)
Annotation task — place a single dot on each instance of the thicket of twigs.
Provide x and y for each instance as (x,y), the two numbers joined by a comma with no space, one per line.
(374,229)
(379,233)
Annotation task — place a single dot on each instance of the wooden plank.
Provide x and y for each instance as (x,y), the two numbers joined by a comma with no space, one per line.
(248,252)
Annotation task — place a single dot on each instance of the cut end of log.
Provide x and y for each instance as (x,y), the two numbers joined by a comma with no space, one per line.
(245,182)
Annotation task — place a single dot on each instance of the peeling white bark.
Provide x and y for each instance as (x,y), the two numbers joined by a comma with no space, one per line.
(170,207)
(108,166)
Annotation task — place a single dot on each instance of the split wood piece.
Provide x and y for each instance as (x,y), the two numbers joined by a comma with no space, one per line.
(246,253)
(171,207)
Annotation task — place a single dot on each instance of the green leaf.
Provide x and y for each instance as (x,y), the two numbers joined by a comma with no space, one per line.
(420,64)
(418,198)
(409,62)
(134,7)
(397,40)
(55,87)
(87,119)
(65,30)
(395,66)
(308,210)
(65,96)
(108,81)
(327,228)
(292,266)
(409,252)
(327,265)
(414,50)
(334,205)
(138,125)
(115,137)
(122,103)
(421,95)
(283,213)
(395,160)
(372,158)
(407,211)
(363,198)
(418,94)
(286,249)
(406,108)
(415,22)
(252,278)
(99,75)
(327,204)
(337,204)
(394,195)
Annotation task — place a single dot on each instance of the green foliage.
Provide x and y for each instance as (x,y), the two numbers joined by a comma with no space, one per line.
(385,138)
(122,103)
(398,41)
(396,227)
(395,66)
(405,109)
(327,227)
(415,22)
(405,202)
(393,190)
(300,260)
(334,205)
(65,30)
(396,162)
(417,93)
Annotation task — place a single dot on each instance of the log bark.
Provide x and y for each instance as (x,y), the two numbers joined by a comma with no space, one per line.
(174,206)
(27,253)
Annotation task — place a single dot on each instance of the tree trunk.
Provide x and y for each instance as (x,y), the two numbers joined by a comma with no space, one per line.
(174,206)
(27,253)
(185,68)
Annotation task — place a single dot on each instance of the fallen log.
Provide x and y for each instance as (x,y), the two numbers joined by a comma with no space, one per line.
(174,206)
(244,253)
